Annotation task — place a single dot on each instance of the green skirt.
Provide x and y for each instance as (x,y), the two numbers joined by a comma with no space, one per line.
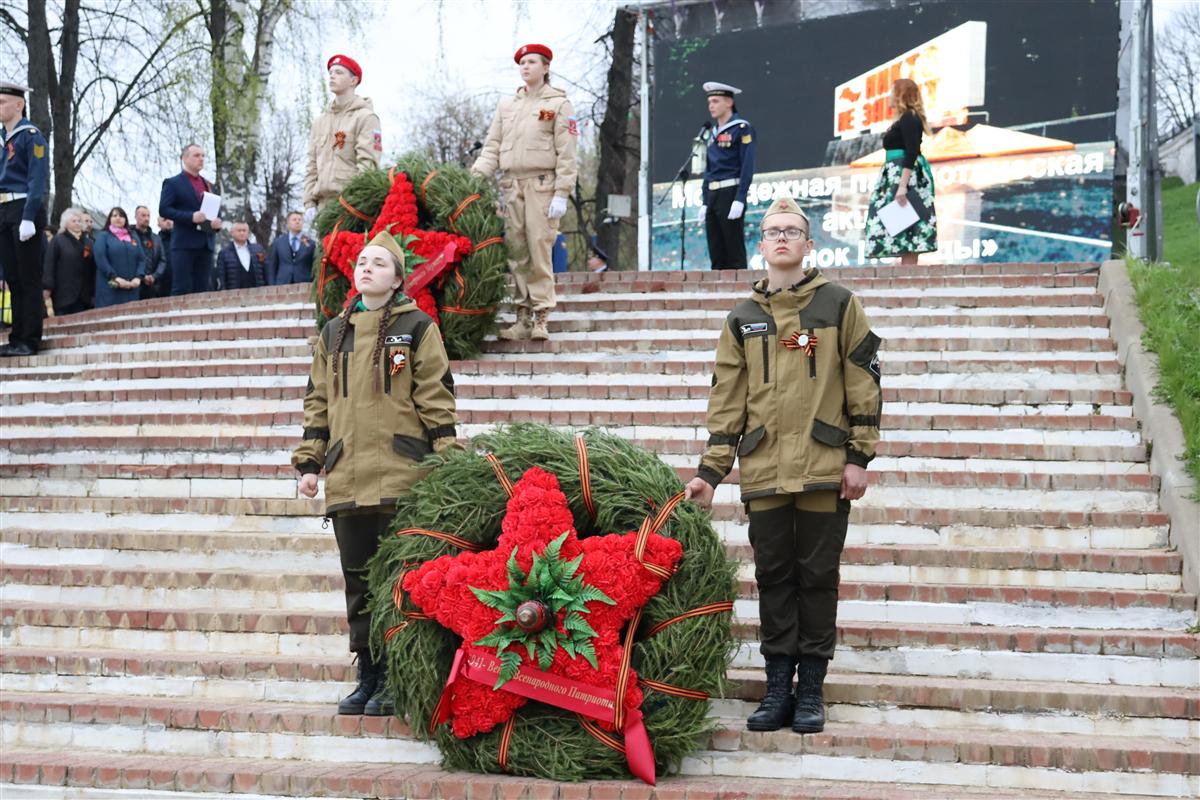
(919,238)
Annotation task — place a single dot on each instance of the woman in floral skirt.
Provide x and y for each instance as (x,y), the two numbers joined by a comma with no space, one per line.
(904,171)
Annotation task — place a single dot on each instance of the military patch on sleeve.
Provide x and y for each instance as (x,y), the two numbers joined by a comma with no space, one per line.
(751,328)
(873,367)
(403,338)
(39,151)
(572,126)
(377,137)
(747,139)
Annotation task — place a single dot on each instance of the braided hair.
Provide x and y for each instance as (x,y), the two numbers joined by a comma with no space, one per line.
(380,335)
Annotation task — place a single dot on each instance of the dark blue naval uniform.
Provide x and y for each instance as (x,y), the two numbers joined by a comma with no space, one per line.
(24,181)
(727,175)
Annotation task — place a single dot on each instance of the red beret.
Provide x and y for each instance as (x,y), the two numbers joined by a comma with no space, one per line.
(534,49)
(346,62)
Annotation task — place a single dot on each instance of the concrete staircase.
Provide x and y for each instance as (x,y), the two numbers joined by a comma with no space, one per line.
(1012,622)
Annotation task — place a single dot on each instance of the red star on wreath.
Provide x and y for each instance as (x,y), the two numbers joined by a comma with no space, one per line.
(628,569)
(434,253)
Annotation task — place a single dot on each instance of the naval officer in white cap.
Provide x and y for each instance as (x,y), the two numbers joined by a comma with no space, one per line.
(727,174)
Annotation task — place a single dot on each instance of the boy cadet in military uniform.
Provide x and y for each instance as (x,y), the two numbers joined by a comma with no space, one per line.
(24,180)
(345,140)
(728,170)
(796,397)
(381,392)
(532,141)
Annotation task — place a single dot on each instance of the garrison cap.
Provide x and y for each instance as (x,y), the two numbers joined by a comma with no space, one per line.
(15,89)
(784,205)
(388,242)
(714,89)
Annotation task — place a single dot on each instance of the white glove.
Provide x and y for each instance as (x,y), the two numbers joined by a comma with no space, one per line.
(703,212)
(309,214)
(558,208)
(736,209)
(27,230)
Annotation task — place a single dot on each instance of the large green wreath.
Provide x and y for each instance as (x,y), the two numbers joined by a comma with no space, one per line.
(445,202)
(462,496)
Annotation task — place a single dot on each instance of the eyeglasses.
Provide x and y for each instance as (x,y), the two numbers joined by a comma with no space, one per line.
(791,234)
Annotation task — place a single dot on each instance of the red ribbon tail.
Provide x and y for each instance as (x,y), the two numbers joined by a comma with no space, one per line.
(638,752)
(441,712)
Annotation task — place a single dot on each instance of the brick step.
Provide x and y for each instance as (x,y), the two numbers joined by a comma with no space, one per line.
(1021,317)
(212,433)
(882,635)
(580,318)
(478,388)
(910,292)
(971,388)
(625,340)
(852,698)
(252,361)
(861,601)
(249,536)
(88,769)
(1142,570)
(879,588)
(896,340)
(266,725)
(1126,658)
(884,504)
(884,472)
(865,511)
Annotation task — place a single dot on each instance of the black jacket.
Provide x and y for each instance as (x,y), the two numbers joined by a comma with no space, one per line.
(234,276)
(69,271)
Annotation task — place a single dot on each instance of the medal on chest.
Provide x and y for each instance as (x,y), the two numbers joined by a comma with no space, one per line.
(397,361)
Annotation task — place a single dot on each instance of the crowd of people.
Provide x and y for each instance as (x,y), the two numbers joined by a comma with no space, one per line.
(127,259)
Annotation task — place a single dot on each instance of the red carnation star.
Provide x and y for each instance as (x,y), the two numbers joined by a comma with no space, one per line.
(537,514)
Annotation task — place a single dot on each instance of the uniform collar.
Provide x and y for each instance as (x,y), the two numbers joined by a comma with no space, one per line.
(797,294)
(23,124)
(734,120)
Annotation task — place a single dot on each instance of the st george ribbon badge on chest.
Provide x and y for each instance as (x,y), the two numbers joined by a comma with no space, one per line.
(801,341)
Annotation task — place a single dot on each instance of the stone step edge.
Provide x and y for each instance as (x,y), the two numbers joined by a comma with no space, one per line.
(928,692)
(114,770)
(1113,753)
(1143,643)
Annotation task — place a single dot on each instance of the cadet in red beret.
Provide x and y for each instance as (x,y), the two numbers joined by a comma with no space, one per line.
(345,140)
(538,173)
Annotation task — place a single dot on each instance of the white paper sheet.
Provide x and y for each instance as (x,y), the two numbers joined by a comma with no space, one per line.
(210,205)
(897,218)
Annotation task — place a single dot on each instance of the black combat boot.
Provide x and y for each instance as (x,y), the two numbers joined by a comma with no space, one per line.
(380,704)
(368,678)
(810,697)
(776,708)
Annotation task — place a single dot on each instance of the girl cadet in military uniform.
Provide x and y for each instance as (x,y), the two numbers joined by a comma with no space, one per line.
(532,141)
(904,171)
(796,397)
(380,398)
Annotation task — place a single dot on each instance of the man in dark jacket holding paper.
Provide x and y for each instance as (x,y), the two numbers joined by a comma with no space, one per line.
(192,242)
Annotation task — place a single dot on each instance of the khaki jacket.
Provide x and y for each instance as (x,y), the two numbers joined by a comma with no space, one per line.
(369,441)
(793,421)
(332,159)
(533,134)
